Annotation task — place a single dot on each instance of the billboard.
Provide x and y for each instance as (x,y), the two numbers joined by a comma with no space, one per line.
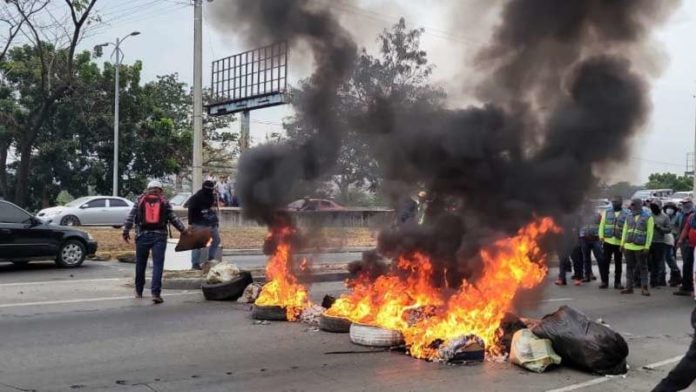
(249,80)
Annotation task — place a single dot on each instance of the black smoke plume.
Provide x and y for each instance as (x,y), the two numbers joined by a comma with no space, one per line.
(563,97)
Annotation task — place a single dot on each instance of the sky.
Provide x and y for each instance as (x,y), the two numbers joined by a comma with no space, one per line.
(165,46)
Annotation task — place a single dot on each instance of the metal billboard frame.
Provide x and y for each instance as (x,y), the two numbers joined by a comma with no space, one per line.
(249,80)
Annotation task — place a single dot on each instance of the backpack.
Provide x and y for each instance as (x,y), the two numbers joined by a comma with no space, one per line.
(152,212)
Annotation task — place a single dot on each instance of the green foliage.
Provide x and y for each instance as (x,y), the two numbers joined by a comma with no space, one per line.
(669,180)
(63,198)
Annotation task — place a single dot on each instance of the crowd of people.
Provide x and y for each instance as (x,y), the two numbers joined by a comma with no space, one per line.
(224,190)
(647,234)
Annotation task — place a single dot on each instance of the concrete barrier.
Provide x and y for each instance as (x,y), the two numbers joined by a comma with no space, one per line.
(352,217)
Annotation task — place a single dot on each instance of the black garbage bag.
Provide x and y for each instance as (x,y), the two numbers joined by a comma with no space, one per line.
(582,343)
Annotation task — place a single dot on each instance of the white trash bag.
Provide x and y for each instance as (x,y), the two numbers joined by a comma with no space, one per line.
(222,272)
(531,352)
(251,292)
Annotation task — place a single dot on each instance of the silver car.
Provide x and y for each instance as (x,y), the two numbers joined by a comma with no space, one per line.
(89,211)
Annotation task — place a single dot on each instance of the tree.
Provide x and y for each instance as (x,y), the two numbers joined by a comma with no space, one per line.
(670,181)
(41,75)
(399,73)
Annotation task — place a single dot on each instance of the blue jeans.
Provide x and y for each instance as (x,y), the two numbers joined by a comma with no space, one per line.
(212,250)
(588,247)
(157,242)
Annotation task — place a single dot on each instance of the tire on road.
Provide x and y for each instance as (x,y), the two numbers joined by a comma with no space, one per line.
(70,220)
(71,254)
(228,291)
(334,324)
(367,335)
(271,313)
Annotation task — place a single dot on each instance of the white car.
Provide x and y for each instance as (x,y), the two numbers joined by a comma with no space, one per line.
(89,211)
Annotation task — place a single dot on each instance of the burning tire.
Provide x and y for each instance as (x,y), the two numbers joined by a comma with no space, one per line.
(272,313)
(367,335)
(334,324)
(228,291)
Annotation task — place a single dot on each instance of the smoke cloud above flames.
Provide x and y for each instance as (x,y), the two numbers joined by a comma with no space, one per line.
(563,90)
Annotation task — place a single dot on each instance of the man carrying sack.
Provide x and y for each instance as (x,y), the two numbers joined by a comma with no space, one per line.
(202,217)
(150,216)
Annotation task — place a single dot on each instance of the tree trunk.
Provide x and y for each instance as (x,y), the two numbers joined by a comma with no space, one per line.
(22,177)
(4,148)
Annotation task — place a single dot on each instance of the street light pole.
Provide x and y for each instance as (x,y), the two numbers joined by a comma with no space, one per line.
(117,66)
(197,96)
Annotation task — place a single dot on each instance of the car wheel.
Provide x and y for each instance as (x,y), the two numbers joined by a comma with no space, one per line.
(70,220)
(71,254)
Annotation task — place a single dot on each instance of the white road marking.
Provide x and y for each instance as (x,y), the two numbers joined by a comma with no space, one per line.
(557,300)
(604,379)
(656,365)
(61,281)
(85,300)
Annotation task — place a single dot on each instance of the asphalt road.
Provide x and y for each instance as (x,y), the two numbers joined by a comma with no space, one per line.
(80,330)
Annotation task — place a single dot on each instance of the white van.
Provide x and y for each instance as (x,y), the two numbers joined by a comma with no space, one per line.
(646,194)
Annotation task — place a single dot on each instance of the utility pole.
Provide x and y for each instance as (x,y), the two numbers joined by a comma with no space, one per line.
(694,166)
(244,138)
(197,95)
(119,56)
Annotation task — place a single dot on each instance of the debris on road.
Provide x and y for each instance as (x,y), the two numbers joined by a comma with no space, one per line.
(328,301)
(531,352)
(310,315)
(469,348)
(583,343)
(251,292)
(222,272)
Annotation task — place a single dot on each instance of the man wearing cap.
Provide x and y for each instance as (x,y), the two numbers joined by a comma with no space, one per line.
(635,241)
(150,216)
(202,214)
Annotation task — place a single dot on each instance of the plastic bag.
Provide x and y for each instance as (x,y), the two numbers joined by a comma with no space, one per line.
(582,343)
(531,352)
(222,273)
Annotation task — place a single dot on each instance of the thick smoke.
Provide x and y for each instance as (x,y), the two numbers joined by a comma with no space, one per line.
(268,174)
(564,92)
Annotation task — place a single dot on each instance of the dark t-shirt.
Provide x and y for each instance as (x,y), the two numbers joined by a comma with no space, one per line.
(199,208)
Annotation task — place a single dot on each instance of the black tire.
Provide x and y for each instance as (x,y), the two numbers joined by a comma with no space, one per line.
(272,313)
(228,291)
(71,254)
(70,220)
(334,324)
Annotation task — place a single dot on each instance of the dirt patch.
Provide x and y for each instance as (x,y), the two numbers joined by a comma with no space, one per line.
(110,240)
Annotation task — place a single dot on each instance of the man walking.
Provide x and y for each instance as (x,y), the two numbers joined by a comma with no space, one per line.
(150,216)
(610,232)
(687,242)
(658,248)
(202,215)
(635,241)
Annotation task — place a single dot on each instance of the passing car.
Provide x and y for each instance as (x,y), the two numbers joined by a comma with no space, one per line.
(24,238)
(315,205)
(89,211)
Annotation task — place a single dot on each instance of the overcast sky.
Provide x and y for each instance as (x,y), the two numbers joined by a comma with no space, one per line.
(166,46)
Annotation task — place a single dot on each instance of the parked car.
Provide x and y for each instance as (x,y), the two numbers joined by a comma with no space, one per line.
(678,197)
(315,205)
(89,211)
(24,237)
(180,199)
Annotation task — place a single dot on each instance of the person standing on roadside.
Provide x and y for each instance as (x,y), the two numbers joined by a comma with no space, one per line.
(636,240)
(684,373)
(658,248)
(589,242)
(675,278)
(687,243)
(202,215)
(610,232)
(150,216)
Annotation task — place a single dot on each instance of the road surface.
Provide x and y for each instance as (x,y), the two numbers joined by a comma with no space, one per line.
(67,330)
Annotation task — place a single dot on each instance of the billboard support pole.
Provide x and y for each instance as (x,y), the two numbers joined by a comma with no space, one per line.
(244,138)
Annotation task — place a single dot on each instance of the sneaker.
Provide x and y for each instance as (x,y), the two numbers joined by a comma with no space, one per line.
(138,295)
(577,282)
(683,293)
(618,286)
(560,282)
(593,277)
(627,291)
(157,300)
(644,292)
(604,286)
(196,267)
(587,280)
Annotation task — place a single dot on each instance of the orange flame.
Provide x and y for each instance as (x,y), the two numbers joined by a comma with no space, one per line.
(476,308)
(282,288)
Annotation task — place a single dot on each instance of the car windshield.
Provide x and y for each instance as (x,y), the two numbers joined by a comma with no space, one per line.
(179,199)
(78,202)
